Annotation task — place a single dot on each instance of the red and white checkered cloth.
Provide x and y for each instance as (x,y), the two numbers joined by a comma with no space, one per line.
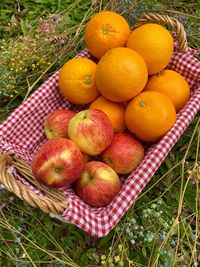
(23,133)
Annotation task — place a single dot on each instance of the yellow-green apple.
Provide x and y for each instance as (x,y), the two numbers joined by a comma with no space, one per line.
(124,154)
(58,163)
(91,130)
(98,184)
(56,123)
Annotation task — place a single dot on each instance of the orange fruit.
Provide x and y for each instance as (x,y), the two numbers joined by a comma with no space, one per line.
(171,84)
(104,31)
(77,81)
(154,43)
(150,115)
(121,74)
(114,111)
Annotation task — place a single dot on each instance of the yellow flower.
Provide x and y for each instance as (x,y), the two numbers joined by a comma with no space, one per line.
(103,263)
(117,258)
(120,247)
(121,263)
(103,257)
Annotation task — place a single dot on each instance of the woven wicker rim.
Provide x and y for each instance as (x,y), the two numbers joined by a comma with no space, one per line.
(53,201)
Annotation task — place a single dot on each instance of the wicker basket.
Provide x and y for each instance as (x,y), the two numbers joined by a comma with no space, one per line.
(22,134)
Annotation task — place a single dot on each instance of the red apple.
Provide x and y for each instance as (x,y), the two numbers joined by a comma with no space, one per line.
(58,163)
(91,130)
(124,154)
(98,184)
(56,123)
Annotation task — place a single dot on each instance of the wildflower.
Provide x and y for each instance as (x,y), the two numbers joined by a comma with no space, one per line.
(132,241)
(120,247)
(172,243)
(17,240)
(11,198)
(54,17)
(166,262)
(157,214)
(148,211)
(166,225)
(121,263)
(153,206)
(169,254)
(117,258)
(103,262)
(133,221)
(149,237)
(163,235)
(130,234)
(103,257)
(19,228)
(110,260)
(194,237)
(140,233)
(161,250)
(2,205)
(17,250)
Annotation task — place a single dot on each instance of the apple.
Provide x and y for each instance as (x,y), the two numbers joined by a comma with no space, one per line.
(98,184)
(56,123)
(124,154)
(58,163)
(91,130)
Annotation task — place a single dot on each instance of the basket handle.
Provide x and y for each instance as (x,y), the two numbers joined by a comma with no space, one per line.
(172,22)
(47,203)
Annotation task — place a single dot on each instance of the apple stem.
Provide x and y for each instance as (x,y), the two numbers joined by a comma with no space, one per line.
(57,169)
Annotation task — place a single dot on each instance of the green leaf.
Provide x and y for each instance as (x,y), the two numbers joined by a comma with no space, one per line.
(190,196)
(104,240)
(23,27)
(144,251)
(13,20)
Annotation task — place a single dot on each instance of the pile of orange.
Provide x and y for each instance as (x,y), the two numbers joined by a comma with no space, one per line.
(130,82)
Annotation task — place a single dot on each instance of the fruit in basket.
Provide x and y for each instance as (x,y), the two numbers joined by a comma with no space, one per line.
(76,80)
(114,111)
(124,154)
(104,31)
(56,123)
(91,130)
(150,115)
(154,43)
(58,163)
(172,84)
(98,184)
(121,74)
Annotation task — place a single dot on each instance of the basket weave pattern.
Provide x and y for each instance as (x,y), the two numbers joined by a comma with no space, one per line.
(23,133)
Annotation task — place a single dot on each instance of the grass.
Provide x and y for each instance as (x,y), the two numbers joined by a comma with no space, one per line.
(162,227)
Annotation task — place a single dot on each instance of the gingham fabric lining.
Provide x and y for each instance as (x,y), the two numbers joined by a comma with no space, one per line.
(23,133)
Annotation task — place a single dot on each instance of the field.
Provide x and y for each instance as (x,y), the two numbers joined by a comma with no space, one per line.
(161,229)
